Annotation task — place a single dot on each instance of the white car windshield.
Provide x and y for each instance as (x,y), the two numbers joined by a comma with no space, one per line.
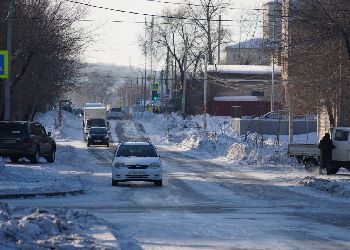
(136,150)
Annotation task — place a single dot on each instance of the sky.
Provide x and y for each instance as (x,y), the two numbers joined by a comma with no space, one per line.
(117,43)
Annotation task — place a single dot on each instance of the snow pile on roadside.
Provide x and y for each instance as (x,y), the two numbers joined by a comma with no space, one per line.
(71,125)
(55,229)
(48,119)
(219,141)
(335,187)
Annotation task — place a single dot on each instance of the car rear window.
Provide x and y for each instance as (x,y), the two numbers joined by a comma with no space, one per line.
(98,131)
(116,109)
(96,123)
(13,129)
(137,150)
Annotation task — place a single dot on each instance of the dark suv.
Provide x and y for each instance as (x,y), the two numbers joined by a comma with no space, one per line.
(98,136)
(26,139)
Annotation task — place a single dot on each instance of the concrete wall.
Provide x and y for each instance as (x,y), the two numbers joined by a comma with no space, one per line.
(272,127)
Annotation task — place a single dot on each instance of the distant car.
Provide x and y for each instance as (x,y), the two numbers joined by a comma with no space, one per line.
(98,136)
(115,113)
(26,139)
(275,115)
(78,112)
(283,115)
(136,161)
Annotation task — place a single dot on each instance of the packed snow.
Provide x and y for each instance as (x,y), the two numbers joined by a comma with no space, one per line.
(46,229)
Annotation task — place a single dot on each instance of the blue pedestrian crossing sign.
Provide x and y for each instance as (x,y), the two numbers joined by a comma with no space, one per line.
(4,58)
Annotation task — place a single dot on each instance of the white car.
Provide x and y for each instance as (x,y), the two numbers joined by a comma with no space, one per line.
(136,161)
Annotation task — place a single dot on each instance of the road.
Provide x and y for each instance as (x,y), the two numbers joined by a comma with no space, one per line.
(201,205)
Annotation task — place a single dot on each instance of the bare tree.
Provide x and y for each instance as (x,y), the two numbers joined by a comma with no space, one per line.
(47,48)
(319,56)
(205,15)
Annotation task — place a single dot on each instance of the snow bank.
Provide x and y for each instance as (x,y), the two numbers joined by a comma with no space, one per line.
(335,187)
(45,229)
(71,130)
(219,141)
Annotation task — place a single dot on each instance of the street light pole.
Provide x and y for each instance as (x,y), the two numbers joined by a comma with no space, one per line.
(145,79)
(205,89)
(7,89)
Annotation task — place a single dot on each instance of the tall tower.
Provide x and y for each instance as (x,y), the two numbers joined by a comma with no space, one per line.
(272,20)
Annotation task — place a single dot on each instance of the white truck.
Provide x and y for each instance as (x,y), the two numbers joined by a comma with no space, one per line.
(309,154)
(94,116)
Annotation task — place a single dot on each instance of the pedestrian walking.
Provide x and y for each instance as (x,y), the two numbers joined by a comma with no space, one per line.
(326,146)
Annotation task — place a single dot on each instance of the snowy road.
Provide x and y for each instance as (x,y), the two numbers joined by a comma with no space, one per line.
(201,204)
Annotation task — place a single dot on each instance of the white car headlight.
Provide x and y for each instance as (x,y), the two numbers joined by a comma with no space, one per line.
(154,165)
(119,165)
(106,137)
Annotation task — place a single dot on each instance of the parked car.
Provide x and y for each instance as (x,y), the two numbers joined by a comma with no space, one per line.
(283,115)
(277,114)
(115,113)
(136,161)
(98,136)
(26,139)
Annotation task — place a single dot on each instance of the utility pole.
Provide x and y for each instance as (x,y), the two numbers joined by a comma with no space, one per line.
(273,61)
(145,78)
(152,38)
(219,39)
(7,87)
(205,89)
(161,81)
(184,86)
(174,87)
(167,73)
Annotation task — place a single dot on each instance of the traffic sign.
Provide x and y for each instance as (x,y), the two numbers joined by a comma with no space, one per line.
(4,59)
(155,86)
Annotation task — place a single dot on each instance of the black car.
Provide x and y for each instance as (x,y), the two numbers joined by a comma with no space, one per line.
(26,139)
(98,136)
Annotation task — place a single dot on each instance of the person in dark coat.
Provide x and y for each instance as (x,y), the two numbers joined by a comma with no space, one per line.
(326,146)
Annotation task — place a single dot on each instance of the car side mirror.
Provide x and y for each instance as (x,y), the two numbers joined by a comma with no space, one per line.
(49,133)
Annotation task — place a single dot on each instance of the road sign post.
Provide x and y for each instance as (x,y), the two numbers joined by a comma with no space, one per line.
(155,91)
(4,64)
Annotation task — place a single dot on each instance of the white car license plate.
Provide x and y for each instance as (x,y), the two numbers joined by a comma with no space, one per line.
(137,173)
(98,141)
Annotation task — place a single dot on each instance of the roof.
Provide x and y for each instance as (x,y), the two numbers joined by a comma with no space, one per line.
(254,43)
(94,108)
(236,98)
(93,104)
(244,69)
(136,143)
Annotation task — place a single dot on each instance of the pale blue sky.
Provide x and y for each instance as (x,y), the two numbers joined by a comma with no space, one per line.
(116,43)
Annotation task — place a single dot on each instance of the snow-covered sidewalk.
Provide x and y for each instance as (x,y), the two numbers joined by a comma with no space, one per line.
(52,229)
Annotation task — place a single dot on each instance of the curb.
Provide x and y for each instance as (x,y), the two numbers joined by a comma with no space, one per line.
(47,194)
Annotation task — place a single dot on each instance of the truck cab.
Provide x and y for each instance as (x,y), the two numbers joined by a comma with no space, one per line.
(340,138)
(309,154)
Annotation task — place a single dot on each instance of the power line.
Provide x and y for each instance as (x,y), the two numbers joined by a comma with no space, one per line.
(199,5)
(147,14)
